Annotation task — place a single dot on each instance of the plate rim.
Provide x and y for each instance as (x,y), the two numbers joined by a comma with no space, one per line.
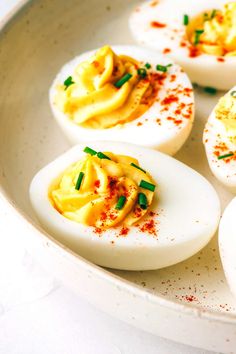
(187,309)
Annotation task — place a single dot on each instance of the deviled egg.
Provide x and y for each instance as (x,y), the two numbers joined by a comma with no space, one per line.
(124,93)
(124,206)
(219,139)
(227,244)
(199,35)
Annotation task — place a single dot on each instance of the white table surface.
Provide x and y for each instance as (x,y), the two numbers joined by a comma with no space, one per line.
(38,315)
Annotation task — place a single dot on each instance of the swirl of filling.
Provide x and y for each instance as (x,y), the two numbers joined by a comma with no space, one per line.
(106,90)
(214,32)
(103,190)
(225,112)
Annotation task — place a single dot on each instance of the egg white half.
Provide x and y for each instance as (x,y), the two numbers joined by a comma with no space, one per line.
(227,244)
(214,135)
(186,208)
(205,69)
(157,127)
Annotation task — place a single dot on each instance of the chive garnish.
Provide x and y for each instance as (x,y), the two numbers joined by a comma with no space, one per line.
(90,151)
(205,16)
(142,72)
(142,201)
(225,156)
(146,185)
(163,68)
(185,20)
(148,66)
(213,13)
(121,202)
(211,90)
(79,181)
(233,93)
(101,155)
(123,80)
(69,81)
(138,167)
(197,36)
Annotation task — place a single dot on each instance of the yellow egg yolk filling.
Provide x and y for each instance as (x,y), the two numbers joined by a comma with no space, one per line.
(99,95)
(113,190)
(226,112)
(214,32)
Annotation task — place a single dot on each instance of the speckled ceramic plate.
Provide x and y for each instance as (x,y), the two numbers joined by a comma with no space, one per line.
(189,302)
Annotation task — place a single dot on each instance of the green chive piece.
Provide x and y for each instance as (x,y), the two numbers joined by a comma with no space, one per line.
(146,185)
(205,16)
(163,68)
(90,151)
(138,167)
(197,36)
(233,94)
(142,201)
(148,66)
(225,156)
(213,13)
(101,155)
(185,20)
(210,90)
(121,202)
(123,80)
(69,81)
(142,72)
(79,181)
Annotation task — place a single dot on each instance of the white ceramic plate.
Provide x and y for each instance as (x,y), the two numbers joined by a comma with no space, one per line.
(189,302)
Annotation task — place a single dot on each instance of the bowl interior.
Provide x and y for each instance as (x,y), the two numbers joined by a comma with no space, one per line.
(48,33)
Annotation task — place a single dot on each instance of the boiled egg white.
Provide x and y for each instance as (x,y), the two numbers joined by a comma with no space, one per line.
(220,149)
(166,124)
(160,25)
(184,213)
(227,244)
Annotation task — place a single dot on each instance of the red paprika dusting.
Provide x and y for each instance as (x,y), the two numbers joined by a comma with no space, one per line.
(96,63)
(220,59)
(124,231)
(97,183)
(172,78)
(149,227)
(193,51)
(183,44)
(166,50)
(169,99)
(139,124)
(156,24)
(175,121)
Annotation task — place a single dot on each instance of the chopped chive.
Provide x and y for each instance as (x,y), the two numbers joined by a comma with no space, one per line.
(142,201)
(146,185)
(142,72)
(101,155)
(90,151)
(123,80)
(233,93)
(121,202)
(205,16)
(148,66)
(225,156)
(185,20)
(138,167)
(163,68)
(69,81)
(197,36)
(79,181)
(211,90)
(213,13)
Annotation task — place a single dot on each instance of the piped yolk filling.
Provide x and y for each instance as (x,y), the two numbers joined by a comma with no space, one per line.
(113,190)
(214,32)
(105,91)
(225,112)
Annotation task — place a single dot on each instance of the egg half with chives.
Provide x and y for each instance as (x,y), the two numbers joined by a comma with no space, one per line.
(227,244)
(124,93)
(219,139)
(125,207)
(199,35)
